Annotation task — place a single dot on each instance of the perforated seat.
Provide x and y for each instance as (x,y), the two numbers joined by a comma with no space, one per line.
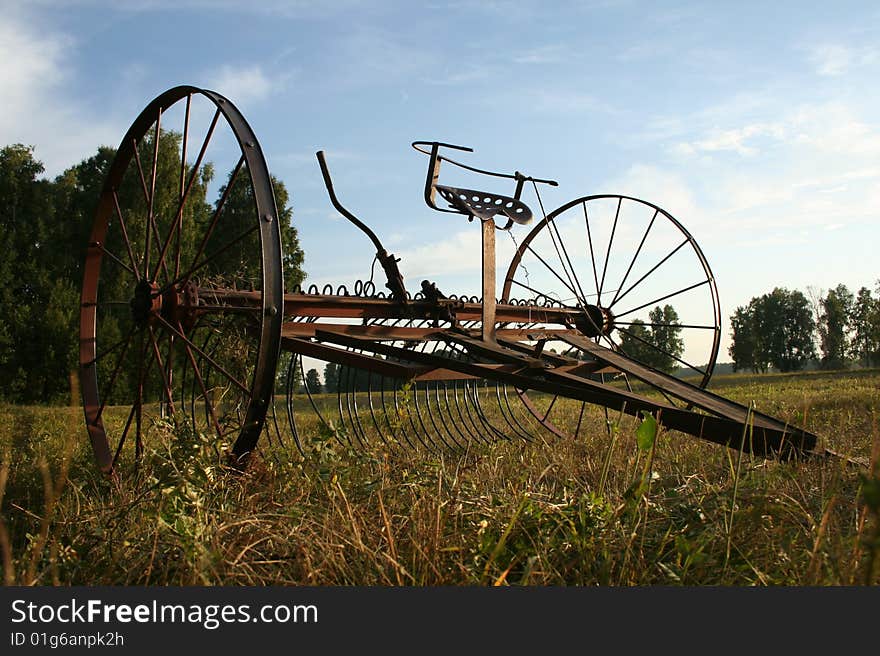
(485,205)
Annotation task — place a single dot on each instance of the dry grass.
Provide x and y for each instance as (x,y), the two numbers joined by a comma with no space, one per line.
(599,511)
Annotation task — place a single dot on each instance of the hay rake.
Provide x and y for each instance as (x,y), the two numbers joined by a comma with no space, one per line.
(184,315)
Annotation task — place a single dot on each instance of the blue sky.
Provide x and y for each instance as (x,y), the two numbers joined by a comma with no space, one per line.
(756,124)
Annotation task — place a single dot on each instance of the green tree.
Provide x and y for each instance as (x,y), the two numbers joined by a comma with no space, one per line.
(313,381)
(865,322)
(658,343)
(331,377)
(836,311)
(30,354)
(237,216)
(745,348)
(784,327)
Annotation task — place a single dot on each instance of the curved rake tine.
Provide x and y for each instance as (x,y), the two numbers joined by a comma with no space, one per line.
(478,406)
(448,419)
(478,435)
(440,419)
(342,371)
(398,422)
(351,408)
(440,416)
(379,431)
(514,424)
(469,438)
(427,432)
(291,414)
(477,432)
(408,413)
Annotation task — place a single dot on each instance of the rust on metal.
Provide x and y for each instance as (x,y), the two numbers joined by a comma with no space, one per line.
(427,369)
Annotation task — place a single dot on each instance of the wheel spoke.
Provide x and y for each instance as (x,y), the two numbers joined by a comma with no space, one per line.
(553,271)
(116,259)
(197,374)
(183,144)
(185,278)
(663,298)
(663,351)
(220,204)
(125,238)
(182,336)
(653,269)
(608,252)
(166,384)
(178,215)
(592,254)
(110,350)
(112,382)
(662,325)
(634,258)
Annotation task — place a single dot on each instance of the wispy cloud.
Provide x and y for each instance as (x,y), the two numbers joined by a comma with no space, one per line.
(243,84)
(38,106)
(735,140)
(837,59)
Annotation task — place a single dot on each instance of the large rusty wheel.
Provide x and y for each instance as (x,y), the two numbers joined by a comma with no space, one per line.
(182,296)
(627,257)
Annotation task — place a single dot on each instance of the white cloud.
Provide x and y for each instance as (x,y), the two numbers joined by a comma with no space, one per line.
(832,59)
(243,85)
(38,108)
(735,140)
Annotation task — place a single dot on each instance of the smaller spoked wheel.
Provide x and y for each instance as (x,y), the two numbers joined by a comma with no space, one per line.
(639,278)
(182,295)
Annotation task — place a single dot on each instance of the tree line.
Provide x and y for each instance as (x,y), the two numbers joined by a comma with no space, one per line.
(44,229)
(785,330)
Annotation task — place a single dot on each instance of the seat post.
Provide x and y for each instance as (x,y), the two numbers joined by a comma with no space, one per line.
(488,243)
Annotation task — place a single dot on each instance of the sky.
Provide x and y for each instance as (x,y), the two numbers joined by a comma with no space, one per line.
(756,125)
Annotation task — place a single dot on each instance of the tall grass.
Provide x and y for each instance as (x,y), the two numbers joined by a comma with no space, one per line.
(609,509)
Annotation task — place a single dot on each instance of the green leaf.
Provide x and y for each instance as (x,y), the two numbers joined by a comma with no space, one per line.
(646,432)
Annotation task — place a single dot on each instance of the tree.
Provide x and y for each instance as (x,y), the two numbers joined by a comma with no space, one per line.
(836,310)
(745,348)
(236,218)
(331,377)
(657,344)
(313,381)
(776,330)
(865,322)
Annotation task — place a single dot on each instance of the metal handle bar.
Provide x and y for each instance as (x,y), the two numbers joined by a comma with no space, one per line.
(436,145)
(348,215)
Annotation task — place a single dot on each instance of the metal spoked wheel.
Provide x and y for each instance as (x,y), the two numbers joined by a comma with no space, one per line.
(182,296)
(638,265)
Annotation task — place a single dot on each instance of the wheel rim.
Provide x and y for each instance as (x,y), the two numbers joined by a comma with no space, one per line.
(627,257)
(182,297)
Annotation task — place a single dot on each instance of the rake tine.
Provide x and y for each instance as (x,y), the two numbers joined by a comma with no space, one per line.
(520,416)
(448,419)
(343,371)
(379,431)
(427,433)
(291,415)
(482,415)
(351,407)
(399,422)
(471,437)
(440,417)
(456,396)
(511,420)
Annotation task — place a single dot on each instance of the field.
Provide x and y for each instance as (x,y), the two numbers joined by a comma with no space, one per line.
(598,511)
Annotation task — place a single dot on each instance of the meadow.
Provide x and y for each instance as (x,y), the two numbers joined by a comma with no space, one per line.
(601,510)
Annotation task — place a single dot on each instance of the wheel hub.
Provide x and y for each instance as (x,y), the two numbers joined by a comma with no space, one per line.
(595,321)
(173,305)
(146,302)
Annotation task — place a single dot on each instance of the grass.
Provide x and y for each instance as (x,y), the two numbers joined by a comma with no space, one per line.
(623,505)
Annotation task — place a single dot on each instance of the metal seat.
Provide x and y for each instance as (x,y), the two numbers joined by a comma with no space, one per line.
(485,205)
